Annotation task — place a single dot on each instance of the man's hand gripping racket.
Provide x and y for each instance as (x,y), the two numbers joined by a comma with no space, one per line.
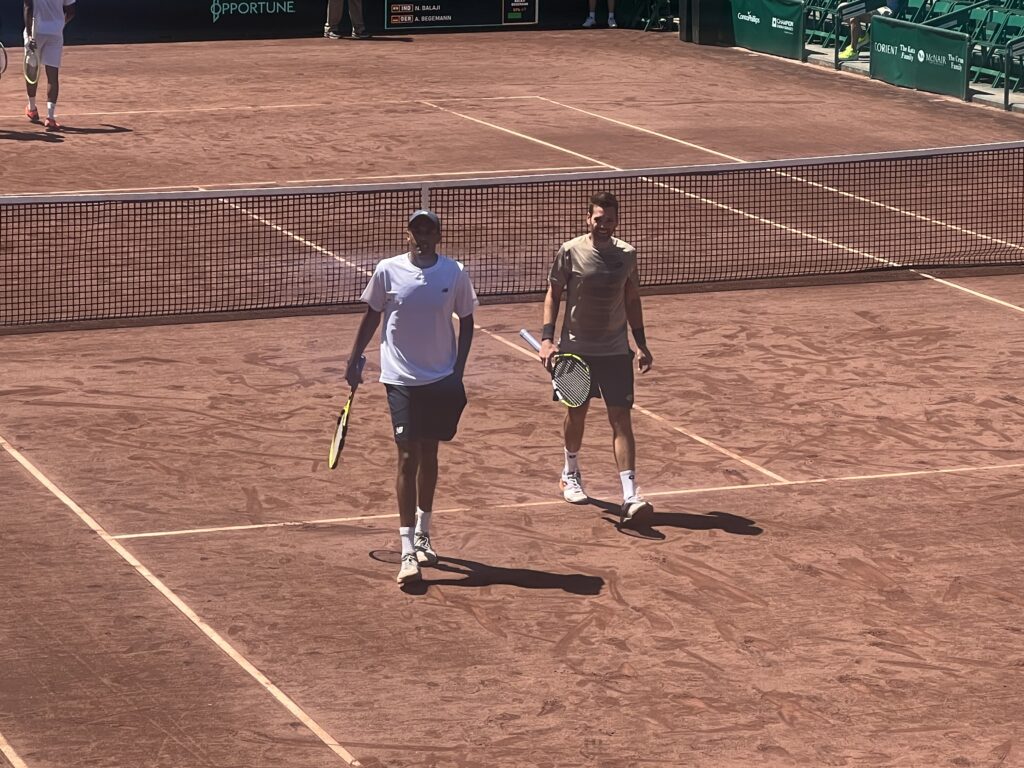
(341,428)
(570,374)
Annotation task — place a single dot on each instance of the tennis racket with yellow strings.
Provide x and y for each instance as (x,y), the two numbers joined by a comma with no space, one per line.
(341,428)
(570,374)
(3,60)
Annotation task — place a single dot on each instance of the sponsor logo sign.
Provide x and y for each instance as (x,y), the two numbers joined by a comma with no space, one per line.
(220,9)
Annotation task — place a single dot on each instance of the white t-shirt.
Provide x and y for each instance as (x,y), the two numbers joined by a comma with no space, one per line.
(49,16)
(417,339)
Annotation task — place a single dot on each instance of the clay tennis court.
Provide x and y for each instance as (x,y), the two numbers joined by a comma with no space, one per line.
(831,575)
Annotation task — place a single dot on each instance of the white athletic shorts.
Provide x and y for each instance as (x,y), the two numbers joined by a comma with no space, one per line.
(50,48)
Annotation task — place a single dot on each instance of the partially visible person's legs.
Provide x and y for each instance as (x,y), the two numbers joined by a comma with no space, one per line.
(614,375)
(32,110)
(591,19)
(355,10)
(335,8)
(400,403)
(426,484)
(50,49)
(422,417)
(572,430)
(624,443)
(52,92)
(405,491)
(858,38)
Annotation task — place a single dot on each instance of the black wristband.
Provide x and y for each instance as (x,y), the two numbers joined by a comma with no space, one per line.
(640,336)
(548,332)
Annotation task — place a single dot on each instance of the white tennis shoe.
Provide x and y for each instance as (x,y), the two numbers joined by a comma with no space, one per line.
(591,21)
(572,488)
(425,554)
(410,570)
(636,509)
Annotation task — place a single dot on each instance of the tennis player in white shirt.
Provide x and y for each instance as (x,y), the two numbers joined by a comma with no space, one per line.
(416,293)
(44,29)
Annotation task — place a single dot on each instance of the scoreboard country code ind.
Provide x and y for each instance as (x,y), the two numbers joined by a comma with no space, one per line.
(459,13)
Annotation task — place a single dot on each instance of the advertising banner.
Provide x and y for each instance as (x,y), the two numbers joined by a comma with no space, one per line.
(158,21)
(919,56)
(770,26)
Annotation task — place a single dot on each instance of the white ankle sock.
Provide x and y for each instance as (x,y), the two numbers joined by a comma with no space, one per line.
(406,535)
(423,521)
(51,110)
(31,102)
(628,479)
(572,463)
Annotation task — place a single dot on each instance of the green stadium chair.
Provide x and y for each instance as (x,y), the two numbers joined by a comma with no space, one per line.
(939,8)
(819,22)
(1013,28)
(917,11)
(987,43)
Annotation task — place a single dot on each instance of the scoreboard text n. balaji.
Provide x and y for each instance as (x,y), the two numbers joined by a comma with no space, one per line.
(460,13)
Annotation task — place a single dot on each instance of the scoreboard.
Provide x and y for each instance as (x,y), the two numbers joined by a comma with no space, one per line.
(421,14)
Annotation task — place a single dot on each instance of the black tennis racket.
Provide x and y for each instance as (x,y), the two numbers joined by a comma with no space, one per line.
(570,374)
(32,58)
(341,428)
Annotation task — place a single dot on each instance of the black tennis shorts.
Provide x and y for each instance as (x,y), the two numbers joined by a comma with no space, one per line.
(428,412)
(611,378)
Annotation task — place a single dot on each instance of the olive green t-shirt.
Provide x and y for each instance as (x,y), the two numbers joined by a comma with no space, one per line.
(594,280)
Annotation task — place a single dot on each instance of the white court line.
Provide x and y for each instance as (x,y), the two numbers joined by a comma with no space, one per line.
(262,526)
(298,238)
(560,502)
(684,193)
(208,186)
(867,200)
(522,136)
(709,444)
(965,289)
(8,751)
(473,174)
(173,188)
(258,107)
(294,709)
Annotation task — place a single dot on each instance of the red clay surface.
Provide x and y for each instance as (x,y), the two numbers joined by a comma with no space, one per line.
(813,620)
(310,111)
(831,577)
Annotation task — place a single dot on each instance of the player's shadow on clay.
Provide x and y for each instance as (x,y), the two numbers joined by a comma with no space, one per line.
(468,573)
(51,138)
(104,128)
(649,526)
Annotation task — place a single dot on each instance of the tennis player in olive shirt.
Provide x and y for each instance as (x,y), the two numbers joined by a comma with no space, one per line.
(597,273)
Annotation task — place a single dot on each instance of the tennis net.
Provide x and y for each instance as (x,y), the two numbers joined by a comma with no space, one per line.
(98,257)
